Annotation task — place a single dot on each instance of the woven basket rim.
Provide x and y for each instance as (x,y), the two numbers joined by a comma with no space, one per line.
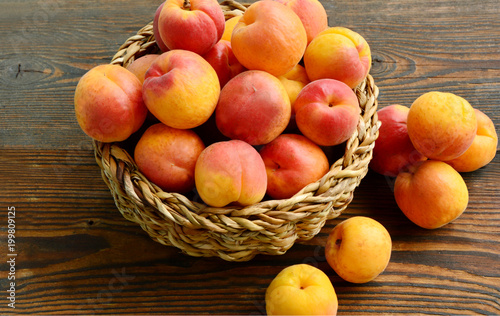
(235,233)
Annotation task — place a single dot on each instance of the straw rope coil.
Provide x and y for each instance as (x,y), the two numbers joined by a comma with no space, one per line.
(235,233)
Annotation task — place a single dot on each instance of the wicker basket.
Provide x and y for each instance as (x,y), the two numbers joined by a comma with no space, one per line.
(235,233)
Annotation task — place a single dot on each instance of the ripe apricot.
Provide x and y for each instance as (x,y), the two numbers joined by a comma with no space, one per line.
(358,249)
(269,37)
(294,81)
(394,150)
(483,148)
(229,27)
(441,125)
(140,66)
(167,156)
(181,89)
(253,107)
(292,162)
(108,103)
(230,172)
(431,193)
(301,289)
(311,13)
(338,53)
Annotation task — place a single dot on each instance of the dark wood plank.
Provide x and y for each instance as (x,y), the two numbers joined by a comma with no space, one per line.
(76,254)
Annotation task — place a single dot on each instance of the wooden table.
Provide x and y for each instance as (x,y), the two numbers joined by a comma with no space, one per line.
(76,254)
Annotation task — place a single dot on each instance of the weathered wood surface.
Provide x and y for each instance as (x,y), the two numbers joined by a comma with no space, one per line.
(77,255)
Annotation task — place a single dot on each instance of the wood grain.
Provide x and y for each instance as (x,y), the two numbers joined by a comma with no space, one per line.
(77,255)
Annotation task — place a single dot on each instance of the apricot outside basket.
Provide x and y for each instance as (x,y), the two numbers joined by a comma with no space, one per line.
(235,233)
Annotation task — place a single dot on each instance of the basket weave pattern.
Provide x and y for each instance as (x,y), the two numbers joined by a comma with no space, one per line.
(235,233)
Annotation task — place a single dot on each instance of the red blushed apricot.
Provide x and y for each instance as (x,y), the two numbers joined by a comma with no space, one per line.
(167,156)
(156,31)
(230,172)
(194,25)
(393,151)
(222,59)
(253,107)
(108,103)
(327,112)
(292,162)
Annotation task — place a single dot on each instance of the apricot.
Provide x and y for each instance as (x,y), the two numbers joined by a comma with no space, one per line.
(338,53)
(108,103)
(482,150)
(181,89)
(431,193)
(156,31)
(167,156)
(229,27)
(194,25)
(140,66)
(269,37)
(222,59)
(327,112)
(393,151)
(253,107)
(294,81)
(292,161)
(230,172)
(301,289)
(358,249)
(441,125)
(311,13)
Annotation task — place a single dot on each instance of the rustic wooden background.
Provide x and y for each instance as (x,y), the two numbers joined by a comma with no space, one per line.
(77,255)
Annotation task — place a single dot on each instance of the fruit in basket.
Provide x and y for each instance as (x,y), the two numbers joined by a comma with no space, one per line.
(338,53)
(394,150)
(292,162)
(431,193)
(167,156)
(269,37)
(194,25)
(358,249)
(230,24)
(301,289)
(181,89)
(294,81)
(441,125)
(482,150)
(156,31)
(230,172)
(140,66)
(222,59)
(253,107)
(327,112)
(311,13)
(108,103)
